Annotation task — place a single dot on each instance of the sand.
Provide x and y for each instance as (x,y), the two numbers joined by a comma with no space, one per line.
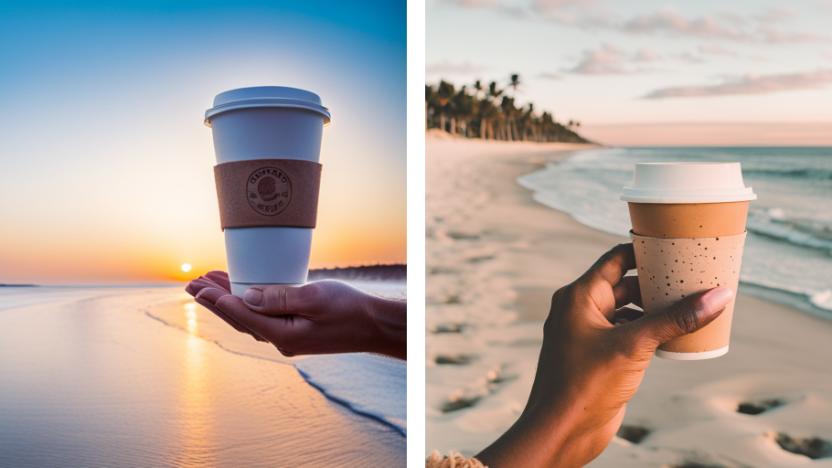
(495,257)
(146,377)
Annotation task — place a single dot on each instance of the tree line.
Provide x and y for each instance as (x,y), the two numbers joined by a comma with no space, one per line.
(489,112)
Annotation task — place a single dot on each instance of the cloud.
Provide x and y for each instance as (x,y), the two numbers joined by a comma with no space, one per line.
(610,60)
(726,26)
(473,3)
(760,27)
(669,21)
(495,5)
(454,68)
(749,84)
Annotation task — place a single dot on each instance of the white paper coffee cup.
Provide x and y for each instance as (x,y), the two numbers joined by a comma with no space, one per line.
(267,122)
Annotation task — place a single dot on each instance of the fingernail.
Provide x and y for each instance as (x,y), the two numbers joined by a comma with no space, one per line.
(714,301)
(253,297)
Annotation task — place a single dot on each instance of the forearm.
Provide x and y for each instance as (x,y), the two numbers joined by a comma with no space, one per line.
(539,438)
(389,317)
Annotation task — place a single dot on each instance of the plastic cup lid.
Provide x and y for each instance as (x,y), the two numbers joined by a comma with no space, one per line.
(683,182)
(266,96)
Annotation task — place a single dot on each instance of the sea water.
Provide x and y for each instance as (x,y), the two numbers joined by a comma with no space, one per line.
(788,253)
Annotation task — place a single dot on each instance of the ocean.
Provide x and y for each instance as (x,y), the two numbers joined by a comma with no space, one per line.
(788,253)
(144,376)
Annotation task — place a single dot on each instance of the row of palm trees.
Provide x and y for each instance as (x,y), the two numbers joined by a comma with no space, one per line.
(490,113)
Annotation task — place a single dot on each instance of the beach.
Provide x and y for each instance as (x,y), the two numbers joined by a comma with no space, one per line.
(141,376)
(495,256)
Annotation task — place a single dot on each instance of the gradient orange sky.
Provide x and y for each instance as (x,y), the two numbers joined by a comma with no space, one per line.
(106,172)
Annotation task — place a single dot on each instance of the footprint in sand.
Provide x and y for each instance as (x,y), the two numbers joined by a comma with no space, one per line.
(470,396)
(457,403)
(696,464)
(812,447)
(632,433)
(453,359)
(479,259)
(464,236)
(758,407)
(448,328)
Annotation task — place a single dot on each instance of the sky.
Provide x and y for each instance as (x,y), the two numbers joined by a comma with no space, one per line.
(650,72)
(106,167)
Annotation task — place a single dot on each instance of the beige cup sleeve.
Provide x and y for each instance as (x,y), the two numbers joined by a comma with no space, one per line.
(671,269)
(268,192)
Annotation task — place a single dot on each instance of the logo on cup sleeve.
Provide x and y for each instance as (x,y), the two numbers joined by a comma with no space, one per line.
(269,190)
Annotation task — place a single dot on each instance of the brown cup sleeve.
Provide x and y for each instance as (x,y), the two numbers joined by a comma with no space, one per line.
(670,269)
(268,192)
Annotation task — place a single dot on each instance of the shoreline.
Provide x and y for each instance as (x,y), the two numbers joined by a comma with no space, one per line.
(189,385)
(477,210)
(797,301)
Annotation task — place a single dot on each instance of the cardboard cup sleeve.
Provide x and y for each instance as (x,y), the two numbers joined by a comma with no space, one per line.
(670,269)
(268,192)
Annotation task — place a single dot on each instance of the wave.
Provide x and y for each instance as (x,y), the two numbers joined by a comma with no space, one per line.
(799,232)
(369,385)
(805,173)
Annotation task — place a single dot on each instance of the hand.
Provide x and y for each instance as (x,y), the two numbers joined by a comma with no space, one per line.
(315,318)
(589,368)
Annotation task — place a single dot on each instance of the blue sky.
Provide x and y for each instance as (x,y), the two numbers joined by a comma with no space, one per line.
(607,62)
(103,140)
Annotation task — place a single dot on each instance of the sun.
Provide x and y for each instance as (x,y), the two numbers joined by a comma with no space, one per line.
(185,267)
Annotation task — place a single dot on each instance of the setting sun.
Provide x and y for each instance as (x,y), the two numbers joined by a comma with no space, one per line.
(185,267)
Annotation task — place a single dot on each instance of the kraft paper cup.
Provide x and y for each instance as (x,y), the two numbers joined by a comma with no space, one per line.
(267,122)
(671,269)
(688,223)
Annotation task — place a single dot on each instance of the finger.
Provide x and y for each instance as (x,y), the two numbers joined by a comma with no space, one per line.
(210,306)
(688,315)
(268,327)
(279,299)
(195,286)
(219,277)
(208,297)
(626,314)
(627,292)
(612,265)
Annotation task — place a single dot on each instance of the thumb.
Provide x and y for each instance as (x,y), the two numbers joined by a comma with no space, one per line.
(275,299)
(687,316)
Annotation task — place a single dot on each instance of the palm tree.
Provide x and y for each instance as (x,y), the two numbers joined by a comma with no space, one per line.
(445,92)
(490,113)
(514,83)
(463,106)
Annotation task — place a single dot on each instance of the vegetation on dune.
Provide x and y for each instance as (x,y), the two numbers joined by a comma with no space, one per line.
(490,113)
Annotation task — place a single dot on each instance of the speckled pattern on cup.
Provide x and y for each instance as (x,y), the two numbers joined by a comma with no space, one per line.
(670,269)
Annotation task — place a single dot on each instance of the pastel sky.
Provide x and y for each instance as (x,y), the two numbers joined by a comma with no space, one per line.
(650,72)
(106,166)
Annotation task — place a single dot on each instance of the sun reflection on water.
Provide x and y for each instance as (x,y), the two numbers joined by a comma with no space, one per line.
(190,318)
(196,417)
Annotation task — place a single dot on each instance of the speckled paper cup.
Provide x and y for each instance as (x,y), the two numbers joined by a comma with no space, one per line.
(671,269)
(688,233)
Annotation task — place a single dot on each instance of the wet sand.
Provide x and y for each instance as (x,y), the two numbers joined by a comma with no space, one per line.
(106,377)
(495,257)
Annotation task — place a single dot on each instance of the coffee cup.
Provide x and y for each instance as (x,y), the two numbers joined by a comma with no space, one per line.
(267,142)
(688,231)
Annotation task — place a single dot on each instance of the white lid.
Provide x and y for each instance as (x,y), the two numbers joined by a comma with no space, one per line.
(685,182)
(266,96)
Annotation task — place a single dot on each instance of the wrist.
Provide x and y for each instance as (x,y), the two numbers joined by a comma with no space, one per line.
(388,320)
(539,438)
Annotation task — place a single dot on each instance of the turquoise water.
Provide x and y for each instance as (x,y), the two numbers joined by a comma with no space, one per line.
(788,255)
